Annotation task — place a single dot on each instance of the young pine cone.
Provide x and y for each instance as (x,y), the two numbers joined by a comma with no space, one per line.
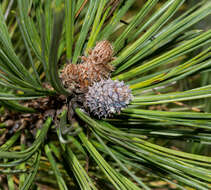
(107,97)
(102,52)
(94,68)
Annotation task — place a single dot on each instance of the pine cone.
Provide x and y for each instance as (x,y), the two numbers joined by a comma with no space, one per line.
(94,68)
(107,97)
(102,52)
(79,77)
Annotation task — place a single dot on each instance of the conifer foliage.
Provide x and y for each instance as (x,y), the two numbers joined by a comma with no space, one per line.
(105,94)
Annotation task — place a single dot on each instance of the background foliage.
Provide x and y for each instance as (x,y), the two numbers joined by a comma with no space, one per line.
(161,140)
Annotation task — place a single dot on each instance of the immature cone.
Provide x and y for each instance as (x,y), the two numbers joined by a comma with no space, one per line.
(102,52)
(94,68)
(107,97)
(79,77)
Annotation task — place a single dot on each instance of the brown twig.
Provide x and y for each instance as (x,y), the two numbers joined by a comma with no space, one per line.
(81,8)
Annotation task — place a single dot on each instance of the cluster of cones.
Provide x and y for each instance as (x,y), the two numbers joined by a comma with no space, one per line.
(102,96)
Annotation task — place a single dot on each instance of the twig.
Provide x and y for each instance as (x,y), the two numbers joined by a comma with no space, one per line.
(81,8)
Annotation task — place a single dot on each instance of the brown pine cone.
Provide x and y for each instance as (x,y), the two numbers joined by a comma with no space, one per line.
(102,52)
(79,77)
(94,68)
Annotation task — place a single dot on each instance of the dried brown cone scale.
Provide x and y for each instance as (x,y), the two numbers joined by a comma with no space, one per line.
(107,97)
(94,68)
